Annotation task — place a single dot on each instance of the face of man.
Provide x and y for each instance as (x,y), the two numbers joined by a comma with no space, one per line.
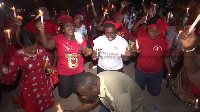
(86,94)
(110,33)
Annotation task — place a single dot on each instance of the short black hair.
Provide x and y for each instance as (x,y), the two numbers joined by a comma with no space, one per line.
(27,38)
(87,80)
(152,20)
(61,28)
(108,25)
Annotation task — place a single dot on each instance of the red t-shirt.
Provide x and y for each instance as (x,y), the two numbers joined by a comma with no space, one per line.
(150,59)
(123,32)
(10,52)
(141,32)
(70,58)
(49,27)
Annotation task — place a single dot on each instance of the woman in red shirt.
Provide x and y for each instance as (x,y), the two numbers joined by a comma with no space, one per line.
(70,46)
(152,53)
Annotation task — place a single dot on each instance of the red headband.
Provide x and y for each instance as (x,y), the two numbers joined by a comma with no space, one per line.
(117,25)
(162,27)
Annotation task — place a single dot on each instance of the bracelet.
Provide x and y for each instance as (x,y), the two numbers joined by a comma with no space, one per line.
(188,50)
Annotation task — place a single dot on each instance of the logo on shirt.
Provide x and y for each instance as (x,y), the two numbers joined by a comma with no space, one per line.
(72,57)
(157,48)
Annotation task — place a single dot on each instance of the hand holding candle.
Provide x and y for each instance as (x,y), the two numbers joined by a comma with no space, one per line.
(195,23)
(105,12)
(13,8)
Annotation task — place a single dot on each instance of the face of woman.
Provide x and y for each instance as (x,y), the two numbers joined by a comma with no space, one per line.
(110,33)
(31,49)
(153,33)
(76,19)
(118,19)
(68,29)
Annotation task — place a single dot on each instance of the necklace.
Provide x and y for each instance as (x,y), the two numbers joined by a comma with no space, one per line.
(34,57)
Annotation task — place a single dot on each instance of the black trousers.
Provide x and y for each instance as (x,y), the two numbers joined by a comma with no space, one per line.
(67,85)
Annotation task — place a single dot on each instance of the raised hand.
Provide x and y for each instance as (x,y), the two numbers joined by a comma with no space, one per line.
(88,51)
(94,55)
(127,52)
(175,42)
(188,39)
(39,26)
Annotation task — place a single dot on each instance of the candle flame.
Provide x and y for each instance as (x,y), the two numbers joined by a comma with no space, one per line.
(7,30)
(19,17)
(40,12)
(59,107)
(88,6)
(197,100)
(106,12)
(13,8)
(180,32)
(113,6)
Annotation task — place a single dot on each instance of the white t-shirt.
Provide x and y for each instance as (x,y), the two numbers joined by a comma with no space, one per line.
(110,52)
(82,30)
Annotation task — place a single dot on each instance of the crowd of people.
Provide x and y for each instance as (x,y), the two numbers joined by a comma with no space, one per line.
(53,49)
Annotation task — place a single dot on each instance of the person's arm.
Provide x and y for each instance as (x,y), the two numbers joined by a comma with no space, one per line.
(127,55)
(137,24)
(46,43)
(100,24)
(191,61)
(18,23)
(167,63)
(86,37)
(85,107)
(96,17)
(86,51)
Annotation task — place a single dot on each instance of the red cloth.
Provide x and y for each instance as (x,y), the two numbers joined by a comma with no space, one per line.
(141,32)
(49,27)
(70,58)
(36,92)
(194,90)
(150,59)
(11,51)
(123,32)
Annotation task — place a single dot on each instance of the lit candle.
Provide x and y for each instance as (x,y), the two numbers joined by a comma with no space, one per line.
(19,17)
(105,12)
(188,11)
(137,45)
(13,8)
(179,34)
(194,24)
(67,12)
(2,4)
(102,8)
(87,7)
(8,31)
(41,15)
(90,28)
(59,109)
(113,6)
(196,104)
